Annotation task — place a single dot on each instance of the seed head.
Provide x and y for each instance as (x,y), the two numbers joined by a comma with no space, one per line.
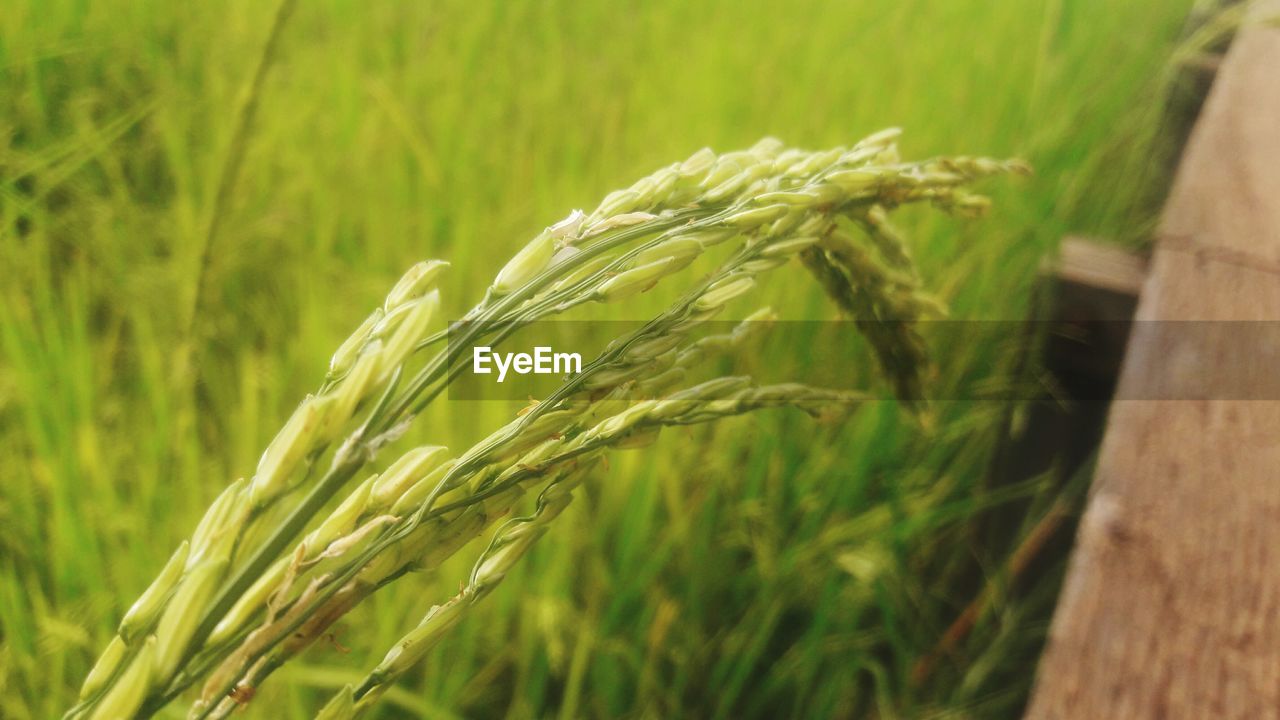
(340,402)
(680,402)
(148,605)
(284,453)
(756,217)
(661,382)
(740,183)
(409,333)
(250,602)
(343,519)
(230,504)
(568,227)
(719,294)
(183,612)
(617,221)
(698,164)
(414,645)
(763,264)
(531,260)
(347,353)
(880,139)
(725,168)
(647,350)
(637,279)
(617,202)
(664,183)
(130,689)
(789,247)
(613,377)
(638,439)
(854,182)
(104,668)
(403,473)
(815,163)
(415,283)
(767,148)
(418,492)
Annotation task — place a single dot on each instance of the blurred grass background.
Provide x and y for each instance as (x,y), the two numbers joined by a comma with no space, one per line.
(770,568)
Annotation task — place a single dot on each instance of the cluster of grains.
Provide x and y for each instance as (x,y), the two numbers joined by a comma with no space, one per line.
(253,587)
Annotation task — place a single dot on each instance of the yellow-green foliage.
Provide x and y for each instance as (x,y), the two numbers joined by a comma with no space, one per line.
(740,573)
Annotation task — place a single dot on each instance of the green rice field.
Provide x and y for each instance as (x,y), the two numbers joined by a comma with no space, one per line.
(182,248)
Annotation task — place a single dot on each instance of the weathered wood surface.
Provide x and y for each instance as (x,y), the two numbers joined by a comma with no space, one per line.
(1085,263)
(1096,290)
(1171,607)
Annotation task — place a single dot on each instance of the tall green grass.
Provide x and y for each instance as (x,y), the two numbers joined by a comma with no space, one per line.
(756,571)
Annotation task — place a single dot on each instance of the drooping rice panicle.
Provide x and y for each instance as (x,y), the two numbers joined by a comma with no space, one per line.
(253,585)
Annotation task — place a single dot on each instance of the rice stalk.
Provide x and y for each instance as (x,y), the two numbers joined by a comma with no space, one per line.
(245,595)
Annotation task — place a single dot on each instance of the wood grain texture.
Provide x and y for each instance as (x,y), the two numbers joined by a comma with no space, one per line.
(1092,264)
(1171,608)
(1223,200)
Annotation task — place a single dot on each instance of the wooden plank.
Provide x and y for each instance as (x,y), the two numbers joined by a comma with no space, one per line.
(1223,201)
(1091,264)
(1095,290)
(1171,607)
